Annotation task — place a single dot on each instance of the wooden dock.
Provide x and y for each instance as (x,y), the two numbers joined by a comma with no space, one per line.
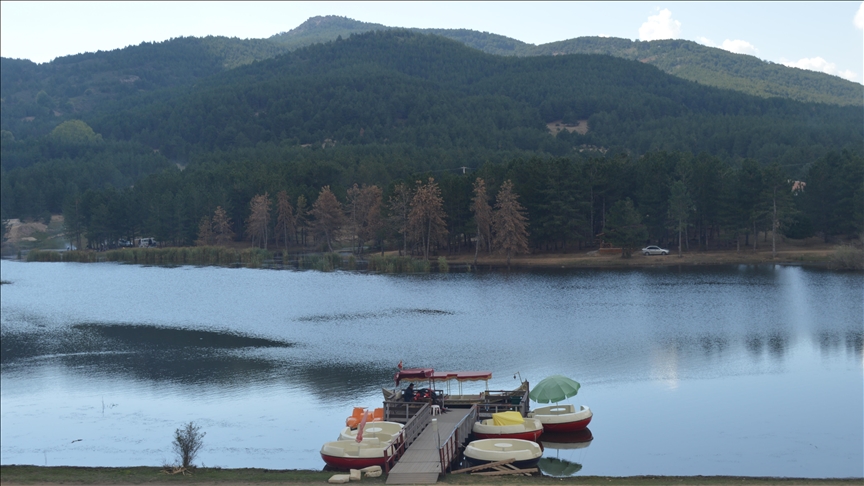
(439,441)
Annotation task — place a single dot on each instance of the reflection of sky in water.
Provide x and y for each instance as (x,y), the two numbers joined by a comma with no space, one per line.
(722,370)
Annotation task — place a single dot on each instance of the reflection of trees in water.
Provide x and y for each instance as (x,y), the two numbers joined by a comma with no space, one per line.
(833,342)
(855,343)
(775,343)
(712,344)
(185,356)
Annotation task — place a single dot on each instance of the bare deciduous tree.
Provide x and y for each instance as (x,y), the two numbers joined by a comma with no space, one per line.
(482,217)
(509,223)
(400,207)
(327,211)
(301,222)
(222,227)
(285,219)
(426,220)
(258,224)
(205,232)
(364,212)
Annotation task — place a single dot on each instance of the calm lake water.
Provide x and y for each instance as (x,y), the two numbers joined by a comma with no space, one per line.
(733,370)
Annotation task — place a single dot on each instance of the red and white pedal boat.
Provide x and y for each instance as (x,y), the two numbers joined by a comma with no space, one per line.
(350,454)
(510,425)
(562,418)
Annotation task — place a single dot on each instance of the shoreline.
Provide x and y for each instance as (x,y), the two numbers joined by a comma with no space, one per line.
(53,475)
(820,257)
(816,258)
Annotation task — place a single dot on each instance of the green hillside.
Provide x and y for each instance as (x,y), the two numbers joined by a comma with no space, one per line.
(685,59)
(427,91)
(37,97)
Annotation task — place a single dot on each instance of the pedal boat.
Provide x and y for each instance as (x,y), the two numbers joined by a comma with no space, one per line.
(525,452)
(563,418)
(529,429)
(350,454)
(383,431)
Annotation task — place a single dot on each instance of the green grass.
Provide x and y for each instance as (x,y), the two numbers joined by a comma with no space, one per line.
(154,475)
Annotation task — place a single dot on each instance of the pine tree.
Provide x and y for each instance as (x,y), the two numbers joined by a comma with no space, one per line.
(509,223)
(624,227)
(258,224)
(300,221)
(205,232)
(400,207)
(680,205)
(482,217)
(285,219)
(327,211)
(222,227)
(426,219)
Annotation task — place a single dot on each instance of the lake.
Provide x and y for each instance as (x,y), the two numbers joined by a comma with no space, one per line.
(722,370)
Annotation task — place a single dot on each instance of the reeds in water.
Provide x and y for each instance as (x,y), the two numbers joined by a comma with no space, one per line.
(197,255)
(397,264)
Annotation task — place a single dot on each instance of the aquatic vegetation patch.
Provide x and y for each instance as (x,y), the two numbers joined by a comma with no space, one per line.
(145,335)
(372,315)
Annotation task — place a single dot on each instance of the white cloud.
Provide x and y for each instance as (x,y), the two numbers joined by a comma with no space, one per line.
(739,47)
(660,26)
(859,17)
(821,65)
(706,42)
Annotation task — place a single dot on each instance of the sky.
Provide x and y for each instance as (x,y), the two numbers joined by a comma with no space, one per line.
(821,36)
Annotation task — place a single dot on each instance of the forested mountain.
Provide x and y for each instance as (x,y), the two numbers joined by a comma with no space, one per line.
(37,97)
(685,59)
(396,87)
(577,134)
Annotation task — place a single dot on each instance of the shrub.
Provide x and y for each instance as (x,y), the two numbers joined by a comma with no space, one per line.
(847,257)
(188,440)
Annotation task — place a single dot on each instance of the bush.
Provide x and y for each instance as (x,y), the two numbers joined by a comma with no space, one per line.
(188,440)
(847,257)
(443,266)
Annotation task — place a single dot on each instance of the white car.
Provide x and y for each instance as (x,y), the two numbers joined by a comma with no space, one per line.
(654,250)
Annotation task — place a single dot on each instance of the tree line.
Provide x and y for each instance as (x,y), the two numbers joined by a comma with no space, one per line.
(540,204)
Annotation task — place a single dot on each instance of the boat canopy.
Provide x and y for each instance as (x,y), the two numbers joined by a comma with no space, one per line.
(413,374)
(430,375)
(473,375)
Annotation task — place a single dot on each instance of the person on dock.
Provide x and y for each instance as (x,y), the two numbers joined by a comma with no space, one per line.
(408,394)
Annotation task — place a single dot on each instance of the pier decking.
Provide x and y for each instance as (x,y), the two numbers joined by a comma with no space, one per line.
(421,462)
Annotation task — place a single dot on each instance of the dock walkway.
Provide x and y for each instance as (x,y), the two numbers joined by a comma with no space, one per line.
(421,462)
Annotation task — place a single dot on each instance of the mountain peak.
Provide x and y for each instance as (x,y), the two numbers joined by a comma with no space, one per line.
(324,25)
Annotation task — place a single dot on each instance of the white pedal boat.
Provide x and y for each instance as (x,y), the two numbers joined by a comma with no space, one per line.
(383,431)
(563,418)
(525,452)
(529,429)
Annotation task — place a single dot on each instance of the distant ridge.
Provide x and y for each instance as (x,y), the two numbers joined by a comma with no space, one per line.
(685,59)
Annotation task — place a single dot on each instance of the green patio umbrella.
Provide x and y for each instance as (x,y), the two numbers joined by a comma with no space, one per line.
(554,389)
(559,468)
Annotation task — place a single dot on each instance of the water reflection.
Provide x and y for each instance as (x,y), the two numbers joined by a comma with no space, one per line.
(775,343)
(146,353)
(552,464)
